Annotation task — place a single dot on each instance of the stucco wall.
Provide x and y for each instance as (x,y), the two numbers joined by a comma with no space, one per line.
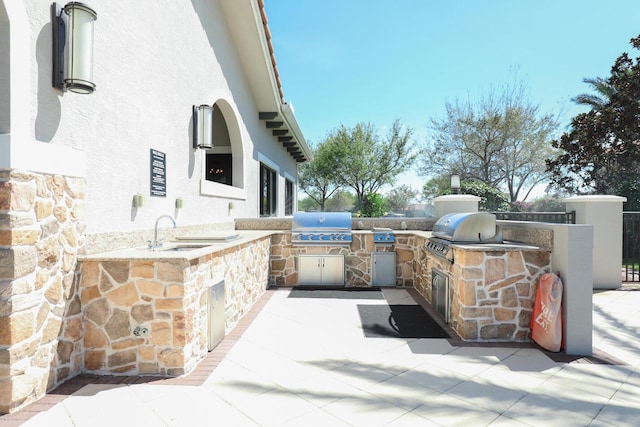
(153,60)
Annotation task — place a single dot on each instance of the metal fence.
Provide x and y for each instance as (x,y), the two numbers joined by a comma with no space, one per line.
(631,246)
(553,217)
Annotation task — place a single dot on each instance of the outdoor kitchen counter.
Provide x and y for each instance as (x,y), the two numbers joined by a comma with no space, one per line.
(497,247)
(145,312)
(488,289)
(164,253)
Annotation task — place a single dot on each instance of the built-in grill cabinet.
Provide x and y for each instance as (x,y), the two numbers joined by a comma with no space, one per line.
(471,228)
(321,270)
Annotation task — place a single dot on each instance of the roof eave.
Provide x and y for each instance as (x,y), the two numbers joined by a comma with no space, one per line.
(261,68)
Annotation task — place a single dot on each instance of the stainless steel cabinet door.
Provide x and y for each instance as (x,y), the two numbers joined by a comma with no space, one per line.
(383,266)
(309,269)
(333,270)
(321,270)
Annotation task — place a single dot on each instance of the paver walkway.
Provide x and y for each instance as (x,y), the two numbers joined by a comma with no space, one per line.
(305,362)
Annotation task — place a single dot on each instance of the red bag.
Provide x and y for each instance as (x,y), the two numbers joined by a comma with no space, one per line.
(546,321)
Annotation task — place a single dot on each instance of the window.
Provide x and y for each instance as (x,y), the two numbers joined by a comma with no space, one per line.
(268,191)
(288,197)
(219,168)
(222,166)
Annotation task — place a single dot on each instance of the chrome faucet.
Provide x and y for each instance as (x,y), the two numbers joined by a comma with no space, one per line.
(158,243)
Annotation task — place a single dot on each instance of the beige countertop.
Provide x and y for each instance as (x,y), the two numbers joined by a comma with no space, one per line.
(194,247)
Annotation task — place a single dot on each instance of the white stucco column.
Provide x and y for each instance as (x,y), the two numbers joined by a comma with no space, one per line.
(572,258)
(605,214)
(455,203)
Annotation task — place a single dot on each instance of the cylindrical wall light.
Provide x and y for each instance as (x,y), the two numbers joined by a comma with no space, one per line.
(73,47)
(79,55)
(202,126)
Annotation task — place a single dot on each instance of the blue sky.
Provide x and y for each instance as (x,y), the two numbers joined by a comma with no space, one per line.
(347,61)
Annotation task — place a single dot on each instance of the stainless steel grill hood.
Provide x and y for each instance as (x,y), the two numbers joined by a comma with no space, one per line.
(321,228)
(469,227)
(322,221)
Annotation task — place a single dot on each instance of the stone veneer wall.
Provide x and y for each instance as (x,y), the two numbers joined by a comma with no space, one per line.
(150,317)
(491,292)
(357,257)
(41,229)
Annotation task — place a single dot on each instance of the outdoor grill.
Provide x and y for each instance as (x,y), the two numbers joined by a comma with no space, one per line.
(383,235)
(462,228)
(326,228)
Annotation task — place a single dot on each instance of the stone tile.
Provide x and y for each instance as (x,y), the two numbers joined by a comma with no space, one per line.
(236,384)
(431,377)
(365,410)
(410,419)
(56,416)
(275,407)
(500,375)
(197,406)
(493,397)
(620,412)
(100,405)
(316,418)
(460,366)
(405,391)
(359,375)
(601,380)
(451,411)
(549,403)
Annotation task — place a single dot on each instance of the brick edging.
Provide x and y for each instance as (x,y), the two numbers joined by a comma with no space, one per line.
(194,378)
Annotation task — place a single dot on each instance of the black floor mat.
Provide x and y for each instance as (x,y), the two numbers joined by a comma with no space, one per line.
(398,321)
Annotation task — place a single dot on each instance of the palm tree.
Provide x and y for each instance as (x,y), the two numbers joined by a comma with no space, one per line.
(598,101)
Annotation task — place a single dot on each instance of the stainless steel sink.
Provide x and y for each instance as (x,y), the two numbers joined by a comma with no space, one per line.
(185,248)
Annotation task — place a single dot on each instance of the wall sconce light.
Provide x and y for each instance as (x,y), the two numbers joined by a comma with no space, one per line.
(179,203)
(454,183)
(138,201)
(202,126)
(73,47)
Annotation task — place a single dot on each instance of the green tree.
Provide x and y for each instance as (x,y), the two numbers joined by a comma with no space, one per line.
(308,204)
(341,201)
(501,140)
(375,205)
(400,198)
(491,199)
(317,178)
(548,203)
(436,186)
(364,162)
(601,152)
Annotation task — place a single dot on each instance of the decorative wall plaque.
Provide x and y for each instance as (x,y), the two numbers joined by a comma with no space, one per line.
(158,168)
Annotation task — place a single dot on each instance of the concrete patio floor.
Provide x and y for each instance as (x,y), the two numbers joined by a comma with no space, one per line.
(306,362)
